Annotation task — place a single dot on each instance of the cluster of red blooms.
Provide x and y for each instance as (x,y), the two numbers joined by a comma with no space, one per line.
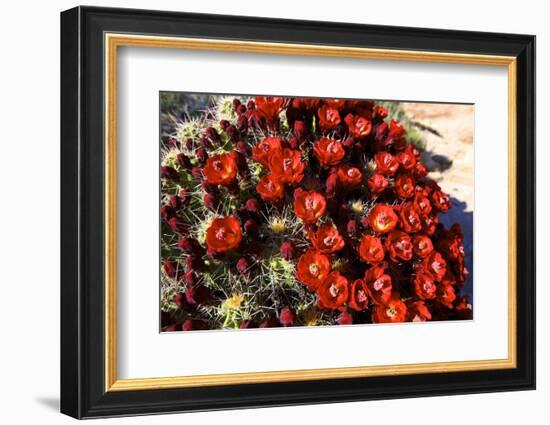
(376,251)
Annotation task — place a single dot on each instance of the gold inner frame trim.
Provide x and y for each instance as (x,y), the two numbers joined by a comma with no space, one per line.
(113,41)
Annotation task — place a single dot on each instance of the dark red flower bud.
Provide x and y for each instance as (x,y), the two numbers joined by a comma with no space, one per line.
(209,188)
(248,324)
(243,148)
(240,161)
(253,206)
(189,144)
(190,278)
(190,246)
(243,266)
(168,173)
(331,185)
(242,108)
(233,133)
(288,251)
(251,105)
(202,156)
(212,134)
(194,262)
(173,142)
(196,172)
(167,212)
(301,130)
(242,123)
(251,228)
(175,202)
(184,161)
(172,269)
(236,104)
(205,142)
(351,228)
(270,323)
(171,328)
(184,195)
(224,124)
(293,143)
(177,225)
(287,317)
(194,325)
(181,301)
(348,142)
(198,294)
(211,201)
(345,319)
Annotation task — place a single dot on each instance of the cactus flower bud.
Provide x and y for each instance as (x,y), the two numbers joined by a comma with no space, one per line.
(243,266)
(202,155)
(345,319)
(288,251)
(287,317)
(251,228)
(253,206)
(169,173)
(184,161)
(211,201)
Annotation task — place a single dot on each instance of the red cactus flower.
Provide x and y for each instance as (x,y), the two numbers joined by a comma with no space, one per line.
(220,169)
(406,160)
(435,265)
(262,151)
(270,188)
(270,108)
(358,299)
(399,246)
(377,183)
(329,118)
(446,295)
(224,234)
(440,200)
(327,239)
(328,151)
(312,269)
(424,286)
(393,311)
(379,284)
(404,186)
(349,177)
(409,219)
(334,291)
(371,250)
(334,103)
(359,127)
(287,166)
(386,163)
(422,246)
(422,205)
(345,318)
(382,218)
(309,206)
(418,311)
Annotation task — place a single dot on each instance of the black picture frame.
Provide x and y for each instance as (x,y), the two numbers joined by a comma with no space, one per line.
(82,219)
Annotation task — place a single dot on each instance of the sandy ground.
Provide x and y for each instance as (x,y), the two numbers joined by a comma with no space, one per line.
(449,155)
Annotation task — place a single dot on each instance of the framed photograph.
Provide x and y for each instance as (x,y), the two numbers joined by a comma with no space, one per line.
(261,212)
